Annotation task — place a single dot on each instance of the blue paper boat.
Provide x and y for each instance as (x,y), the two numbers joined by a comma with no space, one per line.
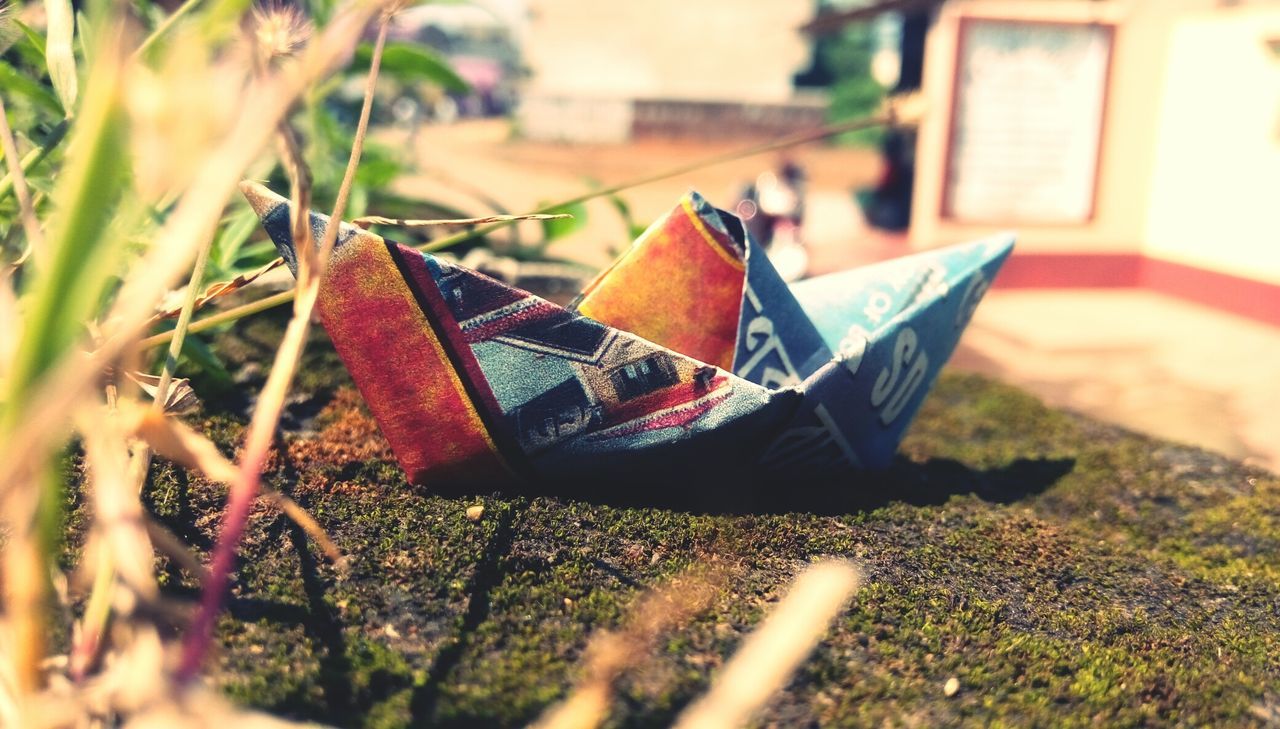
(696,356)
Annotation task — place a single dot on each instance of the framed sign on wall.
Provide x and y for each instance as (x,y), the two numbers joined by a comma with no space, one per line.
(1026,121)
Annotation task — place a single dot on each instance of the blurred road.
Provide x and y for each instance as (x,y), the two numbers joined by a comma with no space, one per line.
(1140,359)
(459,163)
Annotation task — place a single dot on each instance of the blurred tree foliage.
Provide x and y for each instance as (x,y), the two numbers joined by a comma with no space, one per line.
(39,80)
(842,66)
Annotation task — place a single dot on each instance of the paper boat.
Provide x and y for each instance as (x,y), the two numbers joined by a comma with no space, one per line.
(689,355)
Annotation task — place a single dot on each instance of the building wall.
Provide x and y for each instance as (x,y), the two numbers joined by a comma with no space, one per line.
(1215,196)
(1133,103)
(712,50)
(590,59)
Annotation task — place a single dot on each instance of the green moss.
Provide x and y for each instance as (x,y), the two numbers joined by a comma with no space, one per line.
(1064,571)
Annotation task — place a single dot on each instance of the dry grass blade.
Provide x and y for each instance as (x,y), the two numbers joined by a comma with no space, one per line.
(179,397)
(26,207)
(186,447)
(118,512)
(654,614)
(300,199)
(182,445)
(368,220)
(769,655)
(267,413)
(164,27)
(299,516)
(220,288)
(217,289)
(175,549)
(191,225)
(124,542)
(23,626)
(831,130)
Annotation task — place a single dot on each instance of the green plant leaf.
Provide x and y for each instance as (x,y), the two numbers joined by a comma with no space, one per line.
(377,170)
(35,40)
(236,229)
(217,18)
(560,227)
(634,229)
(412,63)
(58,54)
(15,83)
(253,256)
(83,246)
(83,35)
(197,353)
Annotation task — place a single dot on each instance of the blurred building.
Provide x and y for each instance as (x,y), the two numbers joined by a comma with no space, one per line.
(480,42)
(610,71)
(1128,142)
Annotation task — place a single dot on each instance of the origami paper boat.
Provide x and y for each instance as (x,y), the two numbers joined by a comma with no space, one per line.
(688,355)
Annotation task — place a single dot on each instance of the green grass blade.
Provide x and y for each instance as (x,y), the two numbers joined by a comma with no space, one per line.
(82,243)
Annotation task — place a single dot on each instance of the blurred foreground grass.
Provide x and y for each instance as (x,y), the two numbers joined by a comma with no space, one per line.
(1063,571)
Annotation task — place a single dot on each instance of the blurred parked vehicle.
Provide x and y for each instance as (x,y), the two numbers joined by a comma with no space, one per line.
(772,209)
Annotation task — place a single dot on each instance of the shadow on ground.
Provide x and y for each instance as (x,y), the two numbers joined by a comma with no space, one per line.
(930,482)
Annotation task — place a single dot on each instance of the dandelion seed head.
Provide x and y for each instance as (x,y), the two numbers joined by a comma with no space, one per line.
(278,32)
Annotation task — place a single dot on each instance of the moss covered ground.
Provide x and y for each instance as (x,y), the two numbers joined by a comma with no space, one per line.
(1064,571)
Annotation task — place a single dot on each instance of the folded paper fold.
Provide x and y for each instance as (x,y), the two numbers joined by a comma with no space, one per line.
(689,354)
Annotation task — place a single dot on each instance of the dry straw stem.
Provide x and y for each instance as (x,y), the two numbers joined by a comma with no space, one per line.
(26,208)
(831,130)
(72,378)
(35,156)
(191,225)
(187,230)
(182,11)
(211,292)
(805,137)
(656,613)
(120,521)
(58,298)
(181,444)
(118,513)
(769,655)
(267,413)
(300,200)
(24,595)
(175,549)
(368,220)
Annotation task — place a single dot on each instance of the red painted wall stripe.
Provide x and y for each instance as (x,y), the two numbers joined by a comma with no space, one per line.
(1070,270)
(1246,297)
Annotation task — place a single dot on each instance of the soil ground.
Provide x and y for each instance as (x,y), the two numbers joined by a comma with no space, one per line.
(1065,572)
